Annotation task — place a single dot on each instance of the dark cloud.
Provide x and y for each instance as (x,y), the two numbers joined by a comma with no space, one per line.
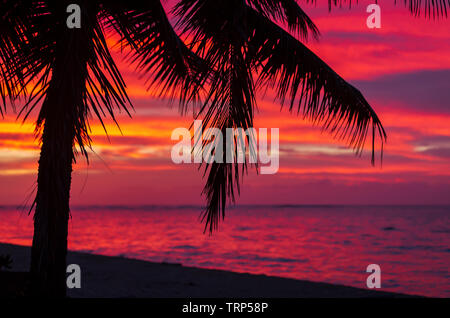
(433,145)
(427,91)
(430,140)
(392,39)
(438,152)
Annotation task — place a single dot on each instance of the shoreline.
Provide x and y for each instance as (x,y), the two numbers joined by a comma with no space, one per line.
(115,276)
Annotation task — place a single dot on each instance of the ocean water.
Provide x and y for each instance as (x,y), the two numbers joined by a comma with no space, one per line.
(319,243)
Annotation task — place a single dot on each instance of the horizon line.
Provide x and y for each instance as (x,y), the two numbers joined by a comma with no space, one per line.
(235,206)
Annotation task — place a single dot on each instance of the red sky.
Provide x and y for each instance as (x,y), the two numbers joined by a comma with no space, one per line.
(403,69)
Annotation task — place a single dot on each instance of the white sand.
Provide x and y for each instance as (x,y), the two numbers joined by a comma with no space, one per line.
(104,276)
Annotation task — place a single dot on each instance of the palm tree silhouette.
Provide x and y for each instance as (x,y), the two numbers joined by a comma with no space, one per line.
(230,49)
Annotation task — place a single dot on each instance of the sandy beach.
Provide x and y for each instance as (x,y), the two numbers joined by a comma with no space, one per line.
(104,276)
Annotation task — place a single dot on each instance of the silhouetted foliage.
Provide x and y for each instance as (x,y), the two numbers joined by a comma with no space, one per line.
(219,55)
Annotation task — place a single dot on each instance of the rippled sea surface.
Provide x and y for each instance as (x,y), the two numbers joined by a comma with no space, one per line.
(319,243)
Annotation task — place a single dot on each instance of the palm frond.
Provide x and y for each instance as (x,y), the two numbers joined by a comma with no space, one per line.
(24,50)
(430,8)
(230,104)
(101,86)
(289,12)
(240,40)
(217,29)
(311,85)
(157,51)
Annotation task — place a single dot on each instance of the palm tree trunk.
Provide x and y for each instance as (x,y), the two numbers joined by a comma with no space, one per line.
(61,111)
(49,249)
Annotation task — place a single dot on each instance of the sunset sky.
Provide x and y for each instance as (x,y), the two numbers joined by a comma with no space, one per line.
(403,69)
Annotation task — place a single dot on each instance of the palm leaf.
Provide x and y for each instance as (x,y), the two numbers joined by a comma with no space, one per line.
(239,40)
(310,84)
(434,8)
(23,49)
(157,51)
(103,88)
(216,29)
(289,12)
